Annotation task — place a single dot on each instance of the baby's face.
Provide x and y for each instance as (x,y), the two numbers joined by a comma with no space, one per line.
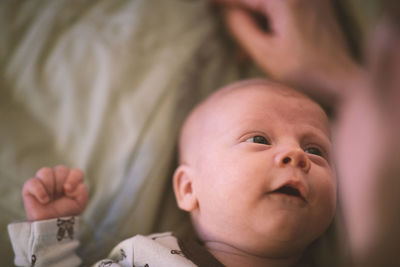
(262,172)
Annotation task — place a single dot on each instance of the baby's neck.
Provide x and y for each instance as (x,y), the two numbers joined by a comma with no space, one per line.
(232,257)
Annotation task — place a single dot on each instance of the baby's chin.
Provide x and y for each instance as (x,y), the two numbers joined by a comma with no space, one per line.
(279,235)
(290,226)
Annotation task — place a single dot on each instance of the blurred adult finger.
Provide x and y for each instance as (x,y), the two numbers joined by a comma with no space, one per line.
(245,29)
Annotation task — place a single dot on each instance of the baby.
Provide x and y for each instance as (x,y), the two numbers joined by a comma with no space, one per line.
(255,174)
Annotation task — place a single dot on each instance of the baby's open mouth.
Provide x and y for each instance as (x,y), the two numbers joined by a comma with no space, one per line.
(289,190)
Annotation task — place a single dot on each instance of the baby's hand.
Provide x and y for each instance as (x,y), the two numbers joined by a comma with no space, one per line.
(54,193)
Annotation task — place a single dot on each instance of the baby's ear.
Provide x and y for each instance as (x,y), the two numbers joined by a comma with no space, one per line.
(183,188)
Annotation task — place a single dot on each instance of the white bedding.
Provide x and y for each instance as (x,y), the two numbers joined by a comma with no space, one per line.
(104,85)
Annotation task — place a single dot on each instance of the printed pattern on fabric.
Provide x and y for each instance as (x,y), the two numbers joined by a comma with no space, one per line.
(33,260)
(65,226)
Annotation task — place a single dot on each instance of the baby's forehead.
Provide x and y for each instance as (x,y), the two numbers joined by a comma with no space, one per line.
(239,92)
(258,89)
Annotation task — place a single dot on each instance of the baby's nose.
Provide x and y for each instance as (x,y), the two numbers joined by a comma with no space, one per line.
(293,157)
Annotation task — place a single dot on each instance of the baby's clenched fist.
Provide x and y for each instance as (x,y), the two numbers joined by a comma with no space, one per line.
(53,193)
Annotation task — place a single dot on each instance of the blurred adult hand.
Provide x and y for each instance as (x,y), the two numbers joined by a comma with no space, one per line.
(302,46)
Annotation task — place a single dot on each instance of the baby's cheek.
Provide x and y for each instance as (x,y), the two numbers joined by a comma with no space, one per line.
(326,195)
(331,191)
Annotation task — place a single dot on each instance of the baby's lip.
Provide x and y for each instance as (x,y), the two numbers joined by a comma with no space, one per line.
(295,188)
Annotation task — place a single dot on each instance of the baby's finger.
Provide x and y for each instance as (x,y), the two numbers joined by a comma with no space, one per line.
(34,188)
(46,175)
(75,177)
(61,173)
(80,195)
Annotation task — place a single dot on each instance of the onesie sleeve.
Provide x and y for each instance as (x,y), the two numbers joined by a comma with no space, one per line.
(52,242)
(45,243)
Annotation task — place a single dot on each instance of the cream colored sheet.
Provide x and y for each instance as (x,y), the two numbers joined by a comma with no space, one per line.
(104,85)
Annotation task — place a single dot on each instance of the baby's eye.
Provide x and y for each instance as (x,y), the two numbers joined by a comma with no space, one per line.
(258,139)
(313,150)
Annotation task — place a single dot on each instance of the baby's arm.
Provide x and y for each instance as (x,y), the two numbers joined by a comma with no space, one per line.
(51,199)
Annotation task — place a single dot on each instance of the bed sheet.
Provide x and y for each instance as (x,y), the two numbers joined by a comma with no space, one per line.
(104,86)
